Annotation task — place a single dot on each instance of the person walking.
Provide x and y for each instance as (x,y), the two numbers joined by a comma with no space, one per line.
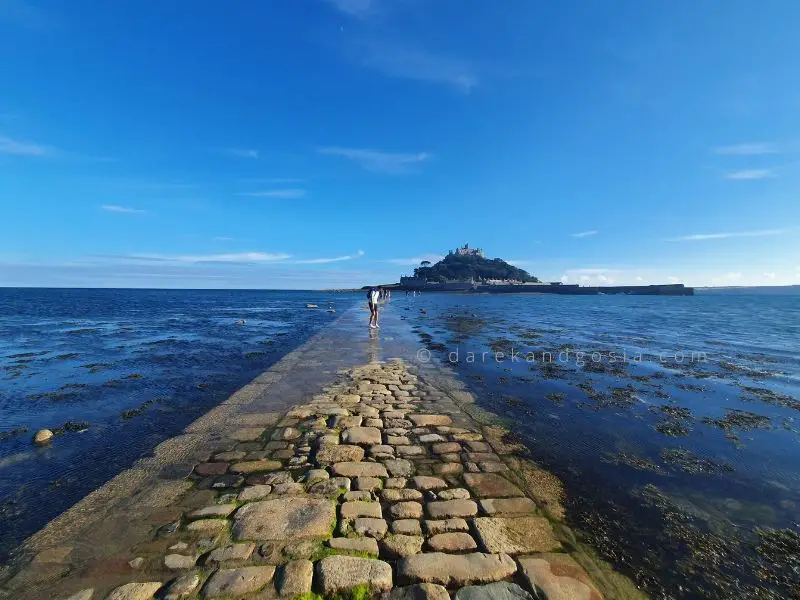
(373,296)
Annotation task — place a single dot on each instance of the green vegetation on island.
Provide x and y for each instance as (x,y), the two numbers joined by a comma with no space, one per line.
(472,266)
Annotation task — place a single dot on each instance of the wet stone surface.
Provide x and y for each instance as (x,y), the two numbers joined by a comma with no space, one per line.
(376,483)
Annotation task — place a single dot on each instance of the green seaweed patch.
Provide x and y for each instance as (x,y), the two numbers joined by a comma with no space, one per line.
(770,397)
(503,345)
(739,419)
(555,397)
(112,383)
(56,396)
(744,370)
(693,464)
(309,596)
(526,333)
(71,427)
(606,367)
(464,324)
(253,355)
(67,356)
(96,367)
(135,412)
(672,428)
(690,387)
(550,370)
(672,411)
(633,461)
(779,554)
(74,386)
(134,376)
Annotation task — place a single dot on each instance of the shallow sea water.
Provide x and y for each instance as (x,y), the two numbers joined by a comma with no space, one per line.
(681,455)
(119,371)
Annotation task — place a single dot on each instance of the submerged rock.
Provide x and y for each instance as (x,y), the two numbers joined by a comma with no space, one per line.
(42,437)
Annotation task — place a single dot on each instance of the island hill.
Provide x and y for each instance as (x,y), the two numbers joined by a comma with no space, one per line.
(468,270)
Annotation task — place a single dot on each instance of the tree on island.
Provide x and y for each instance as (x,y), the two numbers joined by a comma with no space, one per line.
(425,263)
(471,267)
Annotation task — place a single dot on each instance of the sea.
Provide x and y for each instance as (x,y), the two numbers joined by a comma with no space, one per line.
(115,372)
(673,422)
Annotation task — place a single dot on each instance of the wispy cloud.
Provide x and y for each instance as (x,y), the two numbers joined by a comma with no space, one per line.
(375,160)
(320,261)
(287,193)
(115,208)
(750,174)
(222,238)
(583,234)
(360,9)
(403,61)
(271,180)
(413,261)
(239,152)
(14,147)
(750,149)
(718,236)
(237,257)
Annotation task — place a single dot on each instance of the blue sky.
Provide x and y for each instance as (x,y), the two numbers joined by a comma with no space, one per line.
(314,143)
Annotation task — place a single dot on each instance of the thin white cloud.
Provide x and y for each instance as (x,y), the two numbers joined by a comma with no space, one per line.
(287,193)
(403,61)
(673,279)
(222,238)
(271,180)
(360,9)
(237,257)
(583,234)
(750,149)
(321,261)
(123,209)
(750,174)
(240,152)
(413,261)
(378,161)
(14,147)
(718,236)
(770,275)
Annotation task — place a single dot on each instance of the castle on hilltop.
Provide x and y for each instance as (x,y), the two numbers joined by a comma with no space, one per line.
(465,250)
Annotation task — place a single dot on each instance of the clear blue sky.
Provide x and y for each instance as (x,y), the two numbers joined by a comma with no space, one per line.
(313,143)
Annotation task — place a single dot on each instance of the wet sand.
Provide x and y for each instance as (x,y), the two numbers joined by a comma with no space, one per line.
(148,511)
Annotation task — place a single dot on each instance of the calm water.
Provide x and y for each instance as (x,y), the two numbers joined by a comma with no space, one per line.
(682,464)
(135,367)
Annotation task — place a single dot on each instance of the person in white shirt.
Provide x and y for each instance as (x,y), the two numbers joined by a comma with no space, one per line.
(373,295)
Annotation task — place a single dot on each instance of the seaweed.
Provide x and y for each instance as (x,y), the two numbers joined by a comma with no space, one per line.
(556,397)
(693,464)
(779,554)
(12,433)
(671,428)
(71,427)
(135,412)
(771,397)
(633,461)
(739,419)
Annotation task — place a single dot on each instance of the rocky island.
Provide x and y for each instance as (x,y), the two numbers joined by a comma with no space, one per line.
(468,270)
